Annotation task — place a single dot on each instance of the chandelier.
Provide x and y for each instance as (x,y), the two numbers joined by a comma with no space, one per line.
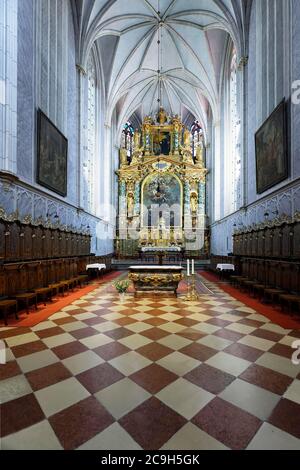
(159,57)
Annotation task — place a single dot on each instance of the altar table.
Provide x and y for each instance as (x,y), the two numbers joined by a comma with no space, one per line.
(97,266)
(154,279)
(225,267)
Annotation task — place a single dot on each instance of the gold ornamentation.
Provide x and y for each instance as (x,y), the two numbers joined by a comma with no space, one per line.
(156,280)
(186,138)
(179,162)
(192,294)
(194,202)
(162,117)
(130,205)
(123,158)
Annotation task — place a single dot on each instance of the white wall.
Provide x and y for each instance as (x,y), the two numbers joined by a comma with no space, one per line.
(274,63)
(38,69)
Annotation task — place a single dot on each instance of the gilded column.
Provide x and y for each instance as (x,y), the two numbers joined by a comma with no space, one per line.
(187,206)
(176,142)
(137,206)
(147,135)
(122,198)
(202,196)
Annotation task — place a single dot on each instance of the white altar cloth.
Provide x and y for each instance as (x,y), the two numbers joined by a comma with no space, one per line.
(96,266)
(164,267)
(145,249)
(225,267)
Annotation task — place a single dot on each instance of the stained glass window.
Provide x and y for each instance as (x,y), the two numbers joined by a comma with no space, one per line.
(128,133)
(197,137)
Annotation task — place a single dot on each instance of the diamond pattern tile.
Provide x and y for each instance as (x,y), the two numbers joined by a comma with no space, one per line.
(151,373)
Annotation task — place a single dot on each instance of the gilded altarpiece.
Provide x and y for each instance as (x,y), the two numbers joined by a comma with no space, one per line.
(162,191)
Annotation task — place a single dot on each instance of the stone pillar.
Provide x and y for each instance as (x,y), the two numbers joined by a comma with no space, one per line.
(107,173)
(82,200)
(217,171)
(8,84)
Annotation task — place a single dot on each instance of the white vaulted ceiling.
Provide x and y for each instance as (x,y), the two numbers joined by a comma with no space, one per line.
(195,35)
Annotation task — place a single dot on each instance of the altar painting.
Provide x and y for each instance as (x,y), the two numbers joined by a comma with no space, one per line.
(162,193)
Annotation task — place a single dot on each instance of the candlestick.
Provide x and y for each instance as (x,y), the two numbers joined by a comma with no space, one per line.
(188,267)
(192,294)
(193,267)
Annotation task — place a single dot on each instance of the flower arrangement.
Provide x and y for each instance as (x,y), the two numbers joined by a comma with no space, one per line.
(121,286)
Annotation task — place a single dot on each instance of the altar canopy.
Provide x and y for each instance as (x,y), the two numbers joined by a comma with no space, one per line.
(162,188)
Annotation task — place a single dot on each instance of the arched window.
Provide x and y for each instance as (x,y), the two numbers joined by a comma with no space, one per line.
(197,137)
(127,139)
(235,128)
(91,135)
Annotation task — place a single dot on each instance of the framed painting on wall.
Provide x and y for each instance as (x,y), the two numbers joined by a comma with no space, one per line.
(52,156)
(271,150)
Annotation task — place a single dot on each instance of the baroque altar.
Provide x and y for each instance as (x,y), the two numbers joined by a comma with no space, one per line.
(162,190)
(153,279)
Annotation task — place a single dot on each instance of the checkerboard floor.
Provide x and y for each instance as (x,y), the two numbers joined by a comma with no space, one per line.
(150,373)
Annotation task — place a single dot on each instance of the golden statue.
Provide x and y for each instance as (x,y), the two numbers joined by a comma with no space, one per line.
(176,125)
(130,205)
(186,137)
(123,157)
(199,156)
(137,139)
(162,223)
(194,202)
(162,117)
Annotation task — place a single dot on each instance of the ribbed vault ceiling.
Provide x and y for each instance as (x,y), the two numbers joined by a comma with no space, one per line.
(194,35)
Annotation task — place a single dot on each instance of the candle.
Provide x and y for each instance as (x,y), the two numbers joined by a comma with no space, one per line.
(193,267)
(188,267)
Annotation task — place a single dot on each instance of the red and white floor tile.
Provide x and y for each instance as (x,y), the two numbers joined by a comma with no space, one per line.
(151,373)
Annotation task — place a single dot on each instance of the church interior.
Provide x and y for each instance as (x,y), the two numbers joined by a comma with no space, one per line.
(149,225)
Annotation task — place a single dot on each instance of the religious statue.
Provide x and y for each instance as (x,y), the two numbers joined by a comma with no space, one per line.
(186,137)
(162,117)
(162,223)
(206,244)
(123,157)
(137,139)
(199,156)
(194,202)
(130,205)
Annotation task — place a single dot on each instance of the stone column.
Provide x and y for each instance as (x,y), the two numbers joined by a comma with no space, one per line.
(217,196)
(8,85)
(82,200)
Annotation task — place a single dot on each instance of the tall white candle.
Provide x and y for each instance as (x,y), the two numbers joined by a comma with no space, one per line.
(188,267)
(193,266)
